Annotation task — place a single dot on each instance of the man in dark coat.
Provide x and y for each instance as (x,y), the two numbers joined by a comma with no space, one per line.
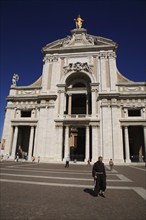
(99,175)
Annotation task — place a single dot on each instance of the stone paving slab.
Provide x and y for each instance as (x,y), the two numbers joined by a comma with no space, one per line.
(22,200)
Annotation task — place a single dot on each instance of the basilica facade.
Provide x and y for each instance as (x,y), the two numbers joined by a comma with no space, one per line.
(80,106)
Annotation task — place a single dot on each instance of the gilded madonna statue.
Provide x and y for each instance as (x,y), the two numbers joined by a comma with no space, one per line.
(78,22)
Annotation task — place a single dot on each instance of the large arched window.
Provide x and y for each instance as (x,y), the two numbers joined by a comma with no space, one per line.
(78,94)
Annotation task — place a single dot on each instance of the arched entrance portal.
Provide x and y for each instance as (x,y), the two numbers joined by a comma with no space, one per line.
(77,144)
(136,143)
(78,110)
(23,140)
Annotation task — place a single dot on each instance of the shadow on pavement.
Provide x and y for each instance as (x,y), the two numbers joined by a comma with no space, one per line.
(90,191)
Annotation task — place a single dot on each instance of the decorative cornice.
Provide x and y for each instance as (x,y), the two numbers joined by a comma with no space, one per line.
(26,87)
(33,98)
(126,95)
(133,122)
(132,84)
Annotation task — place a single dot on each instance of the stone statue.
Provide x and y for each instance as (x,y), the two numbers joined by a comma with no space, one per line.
(15,79)
(78,22)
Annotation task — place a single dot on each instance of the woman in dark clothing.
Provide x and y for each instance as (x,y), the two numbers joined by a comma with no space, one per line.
(99,175)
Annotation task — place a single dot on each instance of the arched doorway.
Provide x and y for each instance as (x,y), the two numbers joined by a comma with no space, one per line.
(136,143)
(78,94)
(77,145)
(23,140)
(78,106)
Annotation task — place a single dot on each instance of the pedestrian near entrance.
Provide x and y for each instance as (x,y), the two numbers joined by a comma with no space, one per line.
(99,175)
(88,161)
(33,158)
(17,156)
(67,161)
(111,164)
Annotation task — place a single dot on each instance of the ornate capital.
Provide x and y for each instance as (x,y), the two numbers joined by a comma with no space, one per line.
(105,103)
(50,59)
(111,55)
(61,91)
(94,90)
(102,55)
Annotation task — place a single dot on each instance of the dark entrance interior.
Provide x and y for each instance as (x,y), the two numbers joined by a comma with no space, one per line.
(79,104)
(136,143)
(23,140)
(78,152)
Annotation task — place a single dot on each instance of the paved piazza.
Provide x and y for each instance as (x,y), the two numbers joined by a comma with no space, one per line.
(50,192)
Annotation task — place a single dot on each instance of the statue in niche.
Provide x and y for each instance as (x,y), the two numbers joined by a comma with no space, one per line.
(15,79)
(78,22)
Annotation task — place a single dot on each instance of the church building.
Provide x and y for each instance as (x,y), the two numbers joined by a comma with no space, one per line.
(81,106)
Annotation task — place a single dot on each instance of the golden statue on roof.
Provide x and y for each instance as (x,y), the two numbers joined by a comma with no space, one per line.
(78,22)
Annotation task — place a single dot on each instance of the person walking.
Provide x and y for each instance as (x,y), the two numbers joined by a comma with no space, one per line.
(88,161)
(67,161)
(111,164)
(99,175)
(17,156)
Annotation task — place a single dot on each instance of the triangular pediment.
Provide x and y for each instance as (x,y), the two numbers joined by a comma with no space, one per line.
(79,38)
(100,41)
(54,45)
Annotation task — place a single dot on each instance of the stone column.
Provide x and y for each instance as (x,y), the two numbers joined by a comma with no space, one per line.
(144,131)
(112,70)
(14,142)
(66,151)
(103,57)
(94,144)
(35,142)
(45,75)
(87,150)
(87,104)
(94,90)
(8,149)
(30,143)
(127,152)
(93,103)
(61,103)
(59,141)
(69,103)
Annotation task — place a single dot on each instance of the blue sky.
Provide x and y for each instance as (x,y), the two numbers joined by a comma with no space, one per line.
(27,26)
